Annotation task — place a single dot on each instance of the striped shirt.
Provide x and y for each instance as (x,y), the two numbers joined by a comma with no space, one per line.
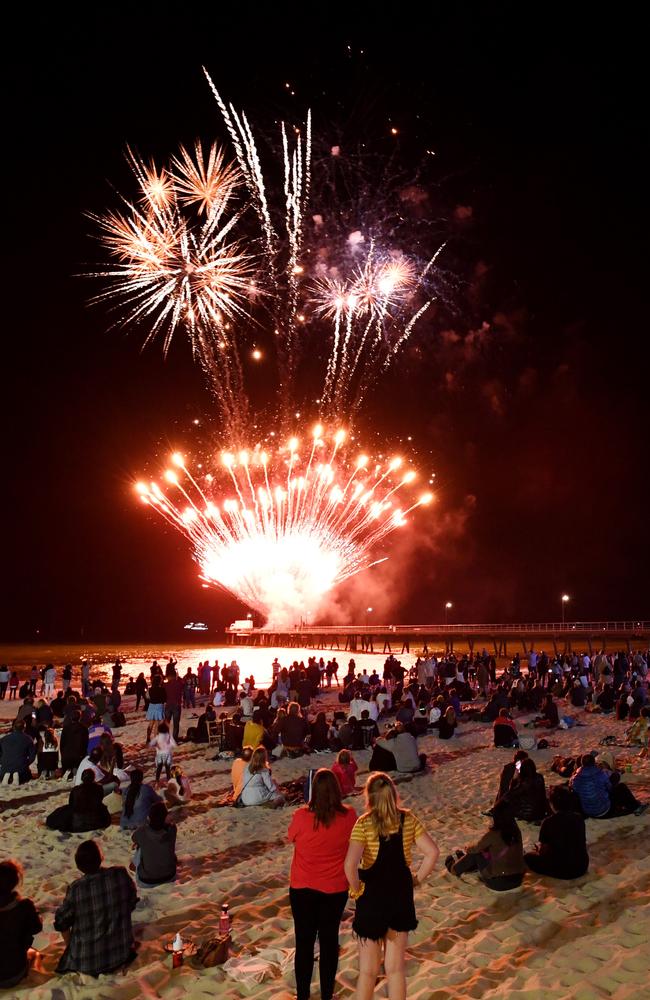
(364,833)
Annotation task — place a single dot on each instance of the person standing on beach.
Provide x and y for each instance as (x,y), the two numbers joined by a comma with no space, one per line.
(14,684)
(380,879)
(4,681)
(156,706)
(49,681)
(173,700)
(85,678)
(320,833)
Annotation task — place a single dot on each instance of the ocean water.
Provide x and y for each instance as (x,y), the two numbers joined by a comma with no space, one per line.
(137,657)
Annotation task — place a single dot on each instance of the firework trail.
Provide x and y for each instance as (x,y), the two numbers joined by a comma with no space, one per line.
(295,526)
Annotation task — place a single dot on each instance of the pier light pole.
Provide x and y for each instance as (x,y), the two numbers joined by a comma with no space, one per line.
(368,612)
(448,606)
(565,601)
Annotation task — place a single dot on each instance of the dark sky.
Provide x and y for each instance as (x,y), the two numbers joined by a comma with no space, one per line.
(528,394)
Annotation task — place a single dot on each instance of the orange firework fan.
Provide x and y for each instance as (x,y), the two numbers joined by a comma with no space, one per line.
(279,528)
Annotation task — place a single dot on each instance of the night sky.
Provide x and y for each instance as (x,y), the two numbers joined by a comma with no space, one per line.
(527,392)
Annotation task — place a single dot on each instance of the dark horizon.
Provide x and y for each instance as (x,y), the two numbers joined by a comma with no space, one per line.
(526,393)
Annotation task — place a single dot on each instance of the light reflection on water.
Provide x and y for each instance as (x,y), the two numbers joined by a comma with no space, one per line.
(138,657)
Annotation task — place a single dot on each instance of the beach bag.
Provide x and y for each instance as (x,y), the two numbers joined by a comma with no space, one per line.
(213,951)
(527,742)
(306,794)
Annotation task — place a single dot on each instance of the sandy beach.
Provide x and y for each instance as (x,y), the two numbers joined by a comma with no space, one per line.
(549,940)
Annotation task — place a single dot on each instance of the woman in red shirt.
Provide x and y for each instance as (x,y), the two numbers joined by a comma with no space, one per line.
(320,833)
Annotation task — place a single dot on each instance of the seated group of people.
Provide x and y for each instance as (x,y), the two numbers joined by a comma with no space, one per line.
(94,919)
(32,737)
(561,852)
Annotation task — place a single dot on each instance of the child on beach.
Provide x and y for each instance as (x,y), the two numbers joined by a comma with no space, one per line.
(164,743)
(345,770)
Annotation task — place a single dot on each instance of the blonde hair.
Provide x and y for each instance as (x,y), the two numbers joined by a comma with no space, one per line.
(382,803)
(258,761)
(344,757)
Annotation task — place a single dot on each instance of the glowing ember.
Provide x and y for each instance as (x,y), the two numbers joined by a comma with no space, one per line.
(294,526)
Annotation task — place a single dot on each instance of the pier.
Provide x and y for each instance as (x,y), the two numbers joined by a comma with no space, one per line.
(497,639)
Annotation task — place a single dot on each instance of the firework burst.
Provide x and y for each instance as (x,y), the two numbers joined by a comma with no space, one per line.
(176,264)
(278,528)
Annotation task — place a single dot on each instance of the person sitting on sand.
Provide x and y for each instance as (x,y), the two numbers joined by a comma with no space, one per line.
(527,793)
(637,734)
(549,718)
(319,736)
(155,841)
(95,916)
(368,728)
(178,790)
(378,870)
(73,743)
(562,848)
(85,810)
(201,733)
(47,752)
(237,770)
(254,731)
(137,801)
(350,735)
(19,922)
(578,695)
(17,751)
(602,794)
(498,856)
(508,773)
(345,770)
(293,729)
(505,730)
(605,699)
(447,723)
(402,746)
(258,786)
(318,893)
(87,805)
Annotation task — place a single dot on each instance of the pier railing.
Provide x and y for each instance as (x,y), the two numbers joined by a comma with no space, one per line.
(519,628)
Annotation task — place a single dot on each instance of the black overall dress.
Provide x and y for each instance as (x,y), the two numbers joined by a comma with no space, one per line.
(387,899)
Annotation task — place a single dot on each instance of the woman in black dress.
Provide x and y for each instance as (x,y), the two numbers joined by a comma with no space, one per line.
(380,878)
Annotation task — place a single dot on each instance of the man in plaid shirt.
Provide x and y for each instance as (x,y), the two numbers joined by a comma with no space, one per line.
(95,916)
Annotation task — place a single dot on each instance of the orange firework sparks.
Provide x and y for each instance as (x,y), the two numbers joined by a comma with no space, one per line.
(278,528)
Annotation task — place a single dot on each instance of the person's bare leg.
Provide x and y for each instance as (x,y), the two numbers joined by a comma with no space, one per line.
(394,961)
(369,964)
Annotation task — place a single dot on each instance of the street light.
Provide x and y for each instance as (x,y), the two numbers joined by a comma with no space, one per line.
(368,612)
(565,601)
(448,606)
